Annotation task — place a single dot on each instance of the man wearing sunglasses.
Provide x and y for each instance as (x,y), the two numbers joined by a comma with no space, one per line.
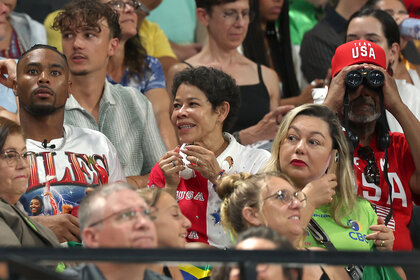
(115,216)
(384,162)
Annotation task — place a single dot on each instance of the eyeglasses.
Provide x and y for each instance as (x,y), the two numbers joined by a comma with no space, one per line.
(233,16)
(371,170)
(120,5)
(287,197)
(128,215)
(12,157)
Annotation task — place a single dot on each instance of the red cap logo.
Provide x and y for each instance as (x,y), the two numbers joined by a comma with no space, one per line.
(357,52)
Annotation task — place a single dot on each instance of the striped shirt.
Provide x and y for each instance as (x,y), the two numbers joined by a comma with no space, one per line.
(126,117)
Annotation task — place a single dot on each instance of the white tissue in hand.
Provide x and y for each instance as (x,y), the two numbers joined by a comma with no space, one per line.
(187,173)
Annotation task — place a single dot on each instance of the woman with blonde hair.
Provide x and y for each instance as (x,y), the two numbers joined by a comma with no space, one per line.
(311,148)
(268,199)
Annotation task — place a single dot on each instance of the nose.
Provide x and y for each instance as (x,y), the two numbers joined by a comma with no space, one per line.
(22,163)
(182,111)
(300,147)
(187,222)
(44,78)
(4,9)
(128,8)
(78,42)
(295,203)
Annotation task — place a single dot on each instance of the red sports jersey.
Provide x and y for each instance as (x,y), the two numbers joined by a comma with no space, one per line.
(400,169)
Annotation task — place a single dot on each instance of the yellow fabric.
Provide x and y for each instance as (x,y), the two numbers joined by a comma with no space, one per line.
(154,40)
(195,271)
(152,37)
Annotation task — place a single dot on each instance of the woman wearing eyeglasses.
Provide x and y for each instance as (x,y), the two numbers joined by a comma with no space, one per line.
(309,141)
(271,200)
(16,228)
(227,24)
(131,66)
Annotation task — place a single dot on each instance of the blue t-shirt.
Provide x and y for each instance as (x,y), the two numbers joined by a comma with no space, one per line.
(153,77)
(7,97)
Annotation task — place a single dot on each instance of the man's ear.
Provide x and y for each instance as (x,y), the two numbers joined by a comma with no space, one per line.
(69,88)
(203,16)
(113,46)
(223,110)
(90,237)
(251,216)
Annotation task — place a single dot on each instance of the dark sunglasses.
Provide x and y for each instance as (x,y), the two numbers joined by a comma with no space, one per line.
(371,171)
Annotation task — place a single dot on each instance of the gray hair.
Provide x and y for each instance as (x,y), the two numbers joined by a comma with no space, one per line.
(90,205)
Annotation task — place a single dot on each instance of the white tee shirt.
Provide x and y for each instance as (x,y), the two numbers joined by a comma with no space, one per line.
(62,173)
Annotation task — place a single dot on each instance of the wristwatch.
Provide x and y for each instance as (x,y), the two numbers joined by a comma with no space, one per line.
(142,7)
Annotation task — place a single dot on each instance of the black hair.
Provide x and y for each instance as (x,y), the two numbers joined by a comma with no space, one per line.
(280,242)
(40,202)
(43,47)
(81,13)
(216,85)
(135,56)
(279,47)
(389,26)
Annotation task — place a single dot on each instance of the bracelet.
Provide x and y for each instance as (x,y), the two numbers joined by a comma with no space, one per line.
(236,136)
(218,178)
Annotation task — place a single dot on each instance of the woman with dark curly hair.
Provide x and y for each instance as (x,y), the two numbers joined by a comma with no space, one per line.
(206,103)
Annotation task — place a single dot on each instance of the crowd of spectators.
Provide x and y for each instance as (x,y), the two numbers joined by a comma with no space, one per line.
(115,132)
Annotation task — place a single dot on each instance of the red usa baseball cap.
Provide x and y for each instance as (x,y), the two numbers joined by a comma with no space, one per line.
(357,52)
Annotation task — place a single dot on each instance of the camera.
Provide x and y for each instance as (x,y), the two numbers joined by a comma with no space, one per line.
(372,78)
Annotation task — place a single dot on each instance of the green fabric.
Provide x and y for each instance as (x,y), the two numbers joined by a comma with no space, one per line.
(380,273)
(346,238)
(60,267)
(177,18)
(302,18)
(73,244)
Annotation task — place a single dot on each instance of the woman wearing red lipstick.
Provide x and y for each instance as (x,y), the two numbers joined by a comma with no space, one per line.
(303,149)
(206,102)
(16,228)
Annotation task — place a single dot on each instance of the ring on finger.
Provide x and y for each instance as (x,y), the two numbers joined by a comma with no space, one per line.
(196,161)
(173,163)
(382,243)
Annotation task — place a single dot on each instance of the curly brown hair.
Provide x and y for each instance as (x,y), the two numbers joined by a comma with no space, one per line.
(87,13)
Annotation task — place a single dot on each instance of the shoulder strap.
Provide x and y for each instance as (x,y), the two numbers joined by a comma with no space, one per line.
(259,72)
(189,65)
(319,234)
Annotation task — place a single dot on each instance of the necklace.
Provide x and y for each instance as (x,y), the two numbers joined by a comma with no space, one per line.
(46,145)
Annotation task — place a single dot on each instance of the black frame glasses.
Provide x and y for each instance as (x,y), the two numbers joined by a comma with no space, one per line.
(286,197)
(120,5)
(233,16)
(371,170)
(11,157)
(128,214)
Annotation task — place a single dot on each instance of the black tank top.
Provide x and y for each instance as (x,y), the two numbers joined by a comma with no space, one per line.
(255,103)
